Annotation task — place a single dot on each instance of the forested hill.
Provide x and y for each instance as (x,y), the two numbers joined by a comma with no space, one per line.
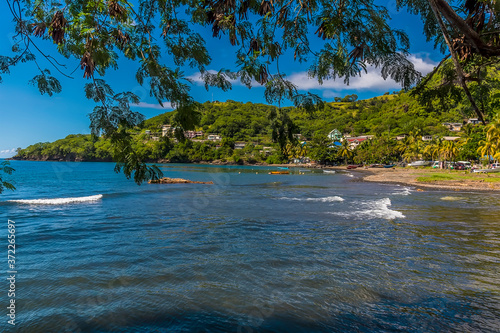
(260,126)
(392,113)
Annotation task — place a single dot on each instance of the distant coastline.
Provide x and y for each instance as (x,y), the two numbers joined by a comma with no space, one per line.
(396,175)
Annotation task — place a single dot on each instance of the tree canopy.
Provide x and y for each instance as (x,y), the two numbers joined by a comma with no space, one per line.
(348,37)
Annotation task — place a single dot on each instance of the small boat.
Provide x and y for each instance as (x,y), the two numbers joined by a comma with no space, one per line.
(279,172)
(387,166)
(283,168)
(352,166)
(328,171)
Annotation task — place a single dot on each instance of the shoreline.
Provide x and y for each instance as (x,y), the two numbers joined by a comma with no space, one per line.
(408,177)
(396,175)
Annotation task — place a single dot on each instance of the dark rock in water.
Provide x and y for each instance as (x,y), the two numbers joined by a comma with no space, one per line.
(166,180)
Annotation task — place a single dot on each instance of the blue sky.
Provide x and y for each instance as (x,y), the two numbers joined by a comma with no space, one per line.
(26,117)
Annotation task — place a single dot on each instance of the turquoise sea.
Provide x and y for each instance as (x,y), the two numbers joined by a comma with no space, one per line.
(254,252)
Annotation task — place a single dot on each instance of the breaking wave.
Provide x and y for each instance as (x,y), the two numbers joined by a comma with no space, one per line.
(324,199)
(374,209)
(58,201)
(404,191)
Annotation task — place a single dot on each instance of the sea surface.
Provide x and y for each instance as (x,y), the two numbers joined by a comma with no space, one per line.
(305,252)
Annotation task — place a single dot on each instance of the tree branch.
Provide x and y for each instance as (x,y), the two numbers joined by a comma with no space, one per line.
(458,67)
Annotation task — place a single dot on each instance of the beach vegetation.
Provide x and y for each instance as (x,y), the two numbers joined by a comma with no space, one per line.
(457,176)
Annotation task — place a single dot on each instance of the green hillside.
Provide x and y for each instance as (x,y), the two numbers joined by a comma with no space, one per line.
(266,134)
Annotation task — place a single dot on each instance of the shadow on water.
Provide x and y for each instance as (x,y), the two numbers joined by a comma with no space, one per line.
(384,316)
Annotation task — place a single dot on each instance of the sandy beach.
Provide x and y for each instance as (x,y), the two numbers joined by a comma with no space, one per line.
(407,176)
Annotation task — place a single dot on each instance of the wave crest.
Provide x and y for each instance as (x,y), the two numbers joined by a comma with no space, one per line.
(58,201)
(374,209)
(405,191)
(324,199)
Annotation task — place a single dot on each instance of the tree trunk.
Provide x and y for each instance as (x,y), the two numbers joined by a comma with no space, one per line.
(456,62)
(470,34)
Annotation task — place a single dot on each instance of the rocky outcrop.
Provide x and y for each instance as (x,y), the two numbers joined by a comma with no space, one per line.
(166,180)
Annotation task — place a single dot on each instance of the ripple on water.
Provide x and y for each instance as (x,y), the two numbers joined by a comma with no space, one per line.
(308,254)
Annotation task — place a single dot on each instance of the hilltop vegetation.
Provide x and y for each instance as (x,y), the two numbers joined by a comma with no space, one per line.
(259,126)
(255,133)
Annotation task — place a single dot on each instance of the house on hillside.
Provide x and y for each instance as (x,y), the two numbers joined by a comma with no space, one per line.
(239,145)
(455,127)
(427,138)
(357,140)
(193,134)
(335,135)
(473,121)
(400,137)
(266,150)
(166,130)
(451,138)
(214,137)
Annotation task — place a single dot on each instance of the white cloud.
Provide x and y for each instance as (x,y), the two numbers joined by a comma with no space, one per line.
(7,152)
(422,65)
(371,80)
(196,78)
(166,105)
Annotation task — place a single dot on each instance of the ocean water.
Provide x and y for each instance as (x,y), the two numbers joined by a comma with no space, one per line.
(254,252)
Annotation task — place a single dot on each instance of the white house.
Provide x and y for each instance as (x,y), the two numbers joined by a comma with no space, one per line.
(193,134)
(166,130)
(473,121)
(335,135)
(427,138)
(213,137)
(455,127)
(239,145)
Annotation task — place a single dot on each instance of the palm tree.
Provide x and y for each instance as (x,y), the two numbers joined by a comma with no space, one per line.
(495,142)
(434,149)
(451,150)
(493,137)
(345,151)
(493,128)
(402,146)
(487,148)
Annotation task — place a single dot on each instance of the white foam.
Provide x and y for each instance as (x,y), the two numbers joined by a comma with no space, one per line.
(327,199)
(374,209)
(324,199)
(58,201)
(405,191)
